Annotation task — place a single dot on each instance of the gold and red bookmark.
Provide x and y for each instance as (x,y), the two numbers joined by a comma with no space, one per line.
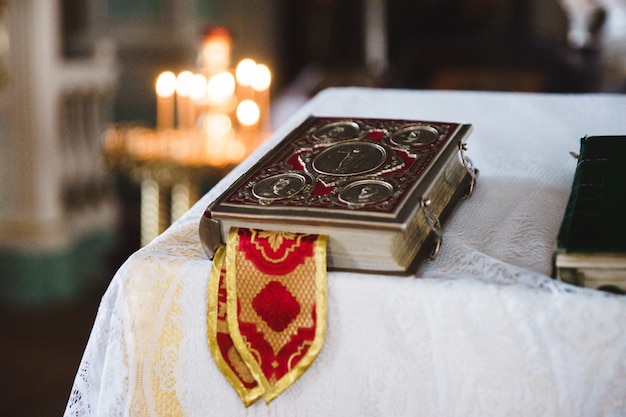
(267,309)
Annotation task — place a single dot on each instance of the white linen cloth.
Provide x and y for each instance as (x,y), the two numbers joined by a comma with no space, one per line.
(482,330)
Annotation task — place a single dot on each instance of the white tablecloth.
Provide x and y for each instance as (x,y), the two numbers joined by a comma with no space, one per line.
(482,331)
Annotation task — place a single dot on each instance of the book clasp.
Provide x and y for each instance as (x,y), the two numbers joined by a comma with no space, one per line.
(435,226)
(469,166)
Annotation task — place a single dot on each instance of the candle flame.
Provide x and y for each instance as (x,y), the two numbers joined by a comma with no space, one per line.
(221,87)
(262,78)
(248,113)
(198,87)
(184,84)
(166,84)
(245,71)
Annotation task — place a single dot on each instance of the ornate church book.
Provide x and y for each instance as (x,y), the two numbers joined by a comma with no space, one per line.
(380,189)
(591,244)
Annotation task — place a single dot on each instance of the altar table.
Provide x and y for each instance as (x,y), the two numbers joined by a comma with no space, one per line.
(481,331)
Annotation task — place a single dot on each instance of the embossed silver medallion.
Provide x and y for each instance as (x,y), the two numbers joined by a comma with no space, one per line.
(360,193)
(279,186)
(338,131)
(348,159)
(415,136)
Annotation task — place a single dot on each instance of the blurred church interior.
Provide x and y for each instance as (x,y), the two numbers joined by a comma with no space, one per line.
(70,69)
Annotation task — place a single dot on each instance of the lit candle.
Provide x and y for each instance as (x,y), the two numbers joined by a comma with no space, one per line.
(184,104)
(244,73)
(261,86)
(165,88)
(248,114)
(198,96)
(216,50)
(198,87)
(221,90)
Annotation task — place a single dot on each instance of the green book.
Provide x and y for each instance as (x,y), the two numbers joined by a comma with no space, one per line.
(591,244)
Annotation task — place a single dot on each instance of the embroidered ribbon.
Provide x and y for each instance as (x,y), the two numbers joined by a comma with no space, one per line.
(267,309)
